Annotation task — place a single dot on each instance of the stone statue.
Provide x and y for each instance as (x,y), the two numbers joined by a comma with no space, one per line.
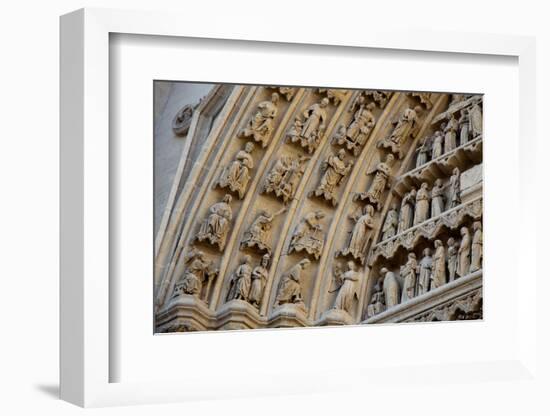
(438,198)
(454,185)
(236,175)
(405,127)
(390,223)
(239,288)
(477,248)
(422,207)
(476,120)
(259,233)
(308,133)
(215,227)
(334,94)
(408,273)
(356,135)
(450,133)
(284,177)
(391,288)
(377,302)
(287,92)
(308,235)
(425,272)
(439,272)
(360,236)
(347,291)
(464,253)
(335,168)
(290,287)
(259,279)
(437,146)
(407,211)
(464,126)
(452,258)
(380,97)
(380,182)
(260,126)
(198,271)
(423,152)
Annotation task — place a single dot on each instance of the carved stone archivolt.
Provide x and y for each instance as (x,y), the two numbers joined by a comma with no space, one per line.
(337,207)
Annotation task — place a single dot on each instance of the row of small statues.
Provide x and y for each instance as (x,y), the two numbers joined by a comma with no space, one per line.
(420,205)
(433,271)
(469,126)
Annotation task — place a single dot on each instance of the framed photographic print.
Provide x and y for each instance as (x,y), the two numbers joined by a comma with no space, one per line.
(324,210)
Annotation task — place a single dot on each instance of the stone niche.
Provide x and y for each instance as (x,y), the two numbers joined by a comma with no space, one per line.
(295,207)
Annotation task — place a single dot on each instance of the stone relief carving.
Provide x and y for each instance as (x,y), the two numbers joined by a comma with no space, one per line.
(236,175)
(356,134)
(426,98)
(287,92)
(406,126)
(309,132)
(437,144)
(335,170)
(452,258)
(377,302)
(346,285)
(422,207)
(259,279)
(450,134)
(361,235)
(182,120)
(477,248)
(406,214)
(439,272)
(215,227)
(464,252)
(379,97)
(198,272)
(454,185)
(475,126)
(336,95)
(408,276)
(423,152)
(283,178)
(290,286)
(258,234)
(438,198)
(380,182)
(425,272)
(389,227)
(241,281)
(261,124)
(466,307)
(392,291)
(308,235)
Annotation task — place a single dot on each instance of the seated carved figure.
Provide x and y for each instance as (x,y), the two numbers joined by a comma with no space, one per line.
(198,271)
(259,233)
(290,286)
(308,235)
(380,182)
(236,175)
(406,126)
(215,227)
(377,302)
(357,133)
(310,131)
(283,178)
(260,126)
(335,168)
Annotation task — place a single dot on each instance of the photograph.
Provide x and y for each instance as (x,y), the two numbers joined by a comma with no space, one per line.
(311,206)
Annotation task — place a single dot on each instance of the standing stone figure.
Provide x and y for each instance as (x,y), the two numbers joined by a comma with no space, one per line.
(360,235)
(290,287)
(450,133)
(259,279)
(356,135)
(425,272)
(336,169)
(259,233)
(260,126)
(310,131)
(422,207)
(390,223)
(464,253)
(216,226)
(283,178)
(407,211)
(438,198)
(408,272)
(452,258)
(476,120)
(236,175)
(348,289)
(405,127)
(308,235)
(423,153)
(197,272)
(438,269)
(437,145)
(477,247)
(454,185)
(464,126)
(391,288)
(377,302)
(241,281)
(380,181)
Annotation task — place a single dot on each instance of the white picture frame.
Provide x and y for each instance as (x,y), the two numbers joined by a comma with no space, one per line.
(86,291)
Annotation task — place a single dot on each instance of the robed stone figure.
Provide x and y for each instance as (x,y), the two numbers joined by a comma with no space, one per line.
(290,286)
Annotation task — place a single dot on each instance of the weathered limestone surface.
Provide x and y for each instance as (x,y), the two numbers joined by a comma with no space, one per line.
(295,207)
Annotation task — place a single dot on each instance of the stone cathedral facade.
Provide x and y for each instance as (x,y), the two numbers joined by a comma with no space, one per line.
(296,207)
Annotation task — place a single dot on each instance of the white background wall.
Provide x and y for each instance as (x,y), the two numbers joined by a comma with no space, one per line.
(29,208)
